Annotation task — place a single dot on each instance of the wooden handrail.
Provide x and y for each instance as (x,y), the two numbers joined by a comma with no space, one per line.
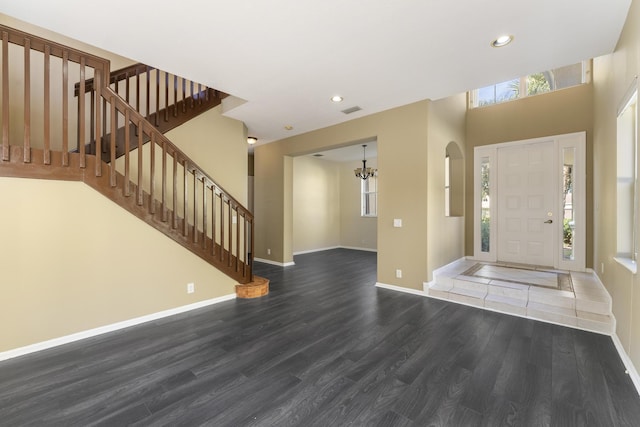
(164,99)
(188,205)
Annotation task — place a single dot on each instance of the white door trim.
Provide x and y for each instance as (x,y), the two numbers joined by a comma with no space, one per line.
(489,153)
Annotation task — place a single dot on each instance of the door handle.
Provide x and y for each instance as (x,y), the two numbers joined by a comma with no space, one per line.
(549,221)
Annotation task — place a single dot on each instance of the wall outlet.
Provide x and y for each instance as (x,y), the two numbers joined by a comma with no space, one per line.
(397,222)
(268,251)
(398,274)
(191,288)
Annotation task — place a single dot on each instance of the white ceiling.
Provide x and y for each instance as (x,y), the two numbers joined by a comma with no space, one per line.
(286,58)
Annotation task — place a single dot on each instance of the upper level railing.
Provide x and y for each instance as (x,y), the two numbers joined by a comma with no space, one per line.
(158,179)
(156,94)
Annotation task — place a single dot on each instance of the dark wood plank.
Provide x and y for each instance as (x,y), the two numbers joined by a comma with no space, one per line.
(325,347)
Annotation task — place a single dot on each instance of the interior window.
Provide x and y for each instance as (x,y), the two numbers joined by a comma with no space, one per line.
(533,84)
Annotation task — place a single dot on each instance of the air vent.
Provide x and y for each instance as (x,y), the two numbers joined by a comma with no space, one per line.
(318,155)
(351,110)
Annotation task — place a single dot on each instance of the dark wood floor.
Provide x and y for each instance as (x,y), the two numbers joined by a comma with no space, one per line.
(326,348)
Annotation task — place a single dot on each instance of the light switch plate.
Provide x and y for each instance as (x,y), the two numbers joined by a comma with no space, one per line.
(397,222)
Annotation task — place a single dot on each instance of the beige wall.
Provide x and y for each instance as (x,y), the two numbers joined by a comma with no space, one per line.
(356,231)
(403,151)
(326,206)
(316,204)
(613,74)
(72,260)
(446,234)
(219,145)
(564,111)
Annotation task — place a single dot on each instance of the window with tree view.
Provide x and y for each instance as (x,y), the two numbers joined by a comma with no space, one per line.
(533,84)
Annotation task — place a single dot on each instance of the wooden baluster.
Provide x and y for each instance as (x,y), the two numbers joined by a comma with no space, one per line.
(175,96)
(65,108)
(127,86)
(185,227)
(195,206)
(164,181)
(104,124)
(47,105)
(237,237)
(137,97)
(81,109)
(148,83)
(192,101)
(152,173)
(184,95)
(221,255)
(199,94)
(137,91)
(98,82)
(206,94)
(157,112)
(205,187)
(244,245)
(92,117)
(251,249)
(175,190)
(5,96)
(114,129)
(213,220)
(140,194)
(230,238)
(166,96)
(27,102)
(127,149)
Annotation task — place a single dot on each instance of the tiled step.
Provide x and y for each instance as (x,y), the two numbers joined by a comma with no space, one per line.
(587,307)
(596,322)
(551,313)
(506,304)
(509,290)
(563,299)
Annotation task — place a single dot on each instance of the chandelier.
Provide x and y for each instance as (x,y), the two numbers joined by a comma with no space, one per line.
(364,172)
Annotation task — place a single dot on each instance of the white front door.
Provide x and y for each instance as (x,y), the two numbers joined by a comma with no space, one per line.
(527,190)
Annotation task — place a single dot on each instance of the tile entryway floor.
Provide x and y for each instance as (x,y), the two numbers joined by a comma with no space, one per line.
(568,298)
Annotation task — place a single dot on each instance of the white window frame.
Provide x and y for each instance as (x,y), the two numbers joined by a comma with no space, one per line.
(473,94)
(627,179)
(364,193)
(447,185)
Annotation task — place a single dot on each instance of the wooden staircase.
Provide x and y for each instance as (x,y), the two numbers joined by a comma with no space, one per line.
(159,183)
(164,99)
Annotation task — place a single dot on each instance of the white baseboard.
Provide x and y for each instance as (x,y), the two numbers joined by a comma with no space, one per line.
(32,348)
(631,370)
(359,249)
(334,247)
(401,289)
(316,250)
(279,264)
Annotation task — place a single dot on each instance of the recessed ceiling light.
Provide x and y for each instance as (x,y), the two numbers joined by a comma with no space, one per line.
(336,98)
(502,41)
(252,140)
(288,127)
